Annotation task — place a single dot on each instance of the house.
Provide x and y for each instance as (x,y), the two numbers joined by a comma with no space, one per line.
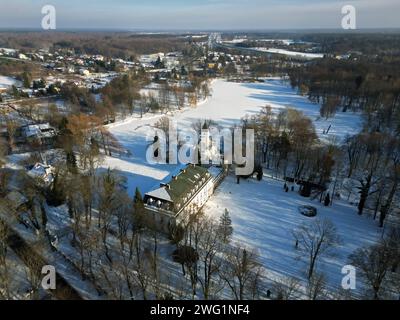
(174,201)
(43,172)
(42,132)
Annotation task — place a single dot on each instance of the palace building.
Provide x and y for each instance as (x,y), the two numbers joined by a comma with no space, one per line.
(186,192)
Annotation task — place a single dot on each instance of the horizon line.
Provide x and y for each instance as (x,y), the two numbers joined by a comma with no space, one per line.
(197,30)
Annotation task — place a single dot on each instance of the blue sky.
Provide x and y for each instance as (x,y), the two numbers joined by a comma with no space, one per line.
(196,14)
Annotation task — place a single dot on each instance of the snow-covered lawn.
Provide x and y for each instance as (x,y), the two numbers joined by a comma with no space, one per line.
(138,172)
(264,217)
(230,102)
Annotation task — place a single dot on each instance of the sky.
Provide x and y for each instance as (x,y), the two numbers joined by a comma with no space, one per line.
(199,14)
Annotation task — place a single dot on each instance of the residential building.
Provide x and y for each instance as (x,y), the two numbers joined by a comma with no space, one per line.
(188,191)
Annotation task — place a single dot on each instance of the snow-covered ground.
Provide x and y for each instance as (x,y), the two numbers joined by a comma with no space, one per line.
(58,219)
(264,217)
(19,285)
(230,102)
(7,82)
(135,168)
(304,55)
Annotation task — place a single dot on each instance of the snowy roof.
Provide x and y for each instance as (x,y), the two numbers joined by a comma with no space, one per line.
(42,171)
(8,50)
(160,193)
(42,130)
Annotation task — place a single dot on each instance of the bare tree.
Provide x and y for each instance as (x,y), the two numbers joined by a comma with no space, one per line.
(33,268)
(142,267)
(329,107)
(153,256)
(209,247)
(85,131)
(316,240)
(373,154)
(109,203)
(286,289)
(375,263)
(109,273)
(163,124)
(190,249)
(188,257)
(316,287)
(164,97)
(241,271)
(180,96)
(4,267)
(12,126)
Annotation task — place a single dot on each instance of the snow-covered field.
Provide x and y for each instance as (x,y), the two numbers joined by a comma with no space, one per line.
(7,82)
(230,102)
(264,217)
(304,55)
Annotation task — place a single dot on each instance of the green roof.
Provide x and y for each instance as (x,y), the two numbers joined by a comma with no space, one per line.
(185,182)
(182,186)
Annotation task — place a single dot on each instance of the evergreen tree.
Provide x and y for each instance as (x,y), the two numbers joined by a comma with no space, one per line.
(225,226)
(26,80)
(183,71)
(159,64)
(71,162)
(327,200)
(55,193)
(138,209)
